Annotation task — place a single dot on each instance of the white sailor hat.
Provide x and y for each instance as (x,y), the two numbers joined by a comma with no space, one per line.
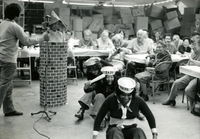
(108,70)
(126,84)
(90,62)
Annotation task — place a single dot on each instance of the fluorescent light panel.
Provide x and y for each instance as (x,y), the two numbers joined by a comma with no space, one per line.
(39,1)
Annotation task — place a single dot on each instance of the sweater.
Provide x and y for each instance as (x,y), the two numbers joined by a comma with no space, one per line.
(111,105)
(10,34)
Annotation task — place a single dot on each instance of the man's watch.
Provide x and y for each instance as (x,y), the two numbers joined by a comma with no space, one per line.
(155,134)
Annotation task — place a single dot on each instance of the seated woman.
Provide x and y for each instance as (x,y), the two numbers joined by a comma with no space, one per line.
(104,42)
(87,39)
(144,77)
(96,92)
(185,47)
(85,42)
(124,107)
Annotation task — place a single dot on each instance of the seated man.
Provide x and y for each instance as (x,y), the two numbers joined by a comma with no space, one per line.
(143,77)
(187,82)
(138,45)
(170,45)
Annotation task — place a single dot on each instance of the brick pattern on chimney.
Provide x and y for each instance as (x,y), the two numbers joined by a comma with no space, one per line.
(55,83)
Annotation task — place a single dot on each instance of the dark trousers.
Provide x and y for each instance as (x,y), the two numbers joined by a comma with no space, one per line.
(128,133)
(133,68)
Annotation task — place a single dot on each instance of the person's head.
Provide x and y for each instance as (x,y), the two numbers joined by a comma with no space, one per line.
(195,43)
(122,32)
(12,11)
(176,38)
(117,40)
(186,42)
(93,66)
(54,23)
(105,35)
(197,22)
(87,34)
(126,89)
(109,72)
(140,35)
(68,34)
(160,47)
(157,33)
(167,38)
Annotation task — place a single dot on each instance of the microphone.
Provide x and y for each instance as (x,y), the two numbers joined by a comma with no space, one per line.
(47,21)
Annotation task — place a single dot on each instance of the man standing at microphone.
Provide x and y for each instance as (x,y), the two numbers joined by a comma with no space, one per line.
(10,34)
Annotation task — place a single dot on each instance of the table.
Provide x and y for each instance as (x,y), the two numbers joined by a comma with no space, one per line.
(190,70)
(140,58)
(35,52)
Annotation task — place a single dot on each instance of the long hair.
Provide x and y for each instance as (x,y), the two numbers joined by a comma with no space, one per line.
(12,10)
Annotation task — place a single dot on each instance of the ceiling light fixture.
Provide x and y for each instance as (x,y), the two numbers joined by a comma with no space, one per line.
(39,1)
(110,5)
(79,3)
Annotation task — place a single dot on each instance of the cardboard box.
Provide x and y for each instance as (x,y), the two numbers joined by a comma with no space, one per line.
(78,24)
(125,12)
(86,22)
(154,11)
(64,11)
(187,25)
(110,27)
(172,24)
(111,19)
(188,18)
(95,27)
(138,11)
(189,10)
(186,32)
(170,7)
(127,19)
(197,16)
(141,23)
(100,19)
(162,30)
(170,15)
(78,34)
(155,24)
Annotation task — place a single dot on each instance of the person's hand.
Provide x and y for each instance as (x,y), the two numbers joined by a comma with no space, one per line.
(46,36)
(87,84)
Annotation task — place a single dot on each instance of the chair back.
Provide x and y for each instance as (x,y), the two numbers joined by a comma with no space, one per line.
(163,66)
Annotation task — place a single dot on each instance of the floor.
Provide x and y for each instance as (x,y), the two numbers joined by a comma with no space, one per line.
(172,122)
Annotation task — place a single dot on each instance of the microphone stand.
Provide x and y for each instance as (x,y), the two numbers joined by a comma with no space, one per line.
(46,79)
